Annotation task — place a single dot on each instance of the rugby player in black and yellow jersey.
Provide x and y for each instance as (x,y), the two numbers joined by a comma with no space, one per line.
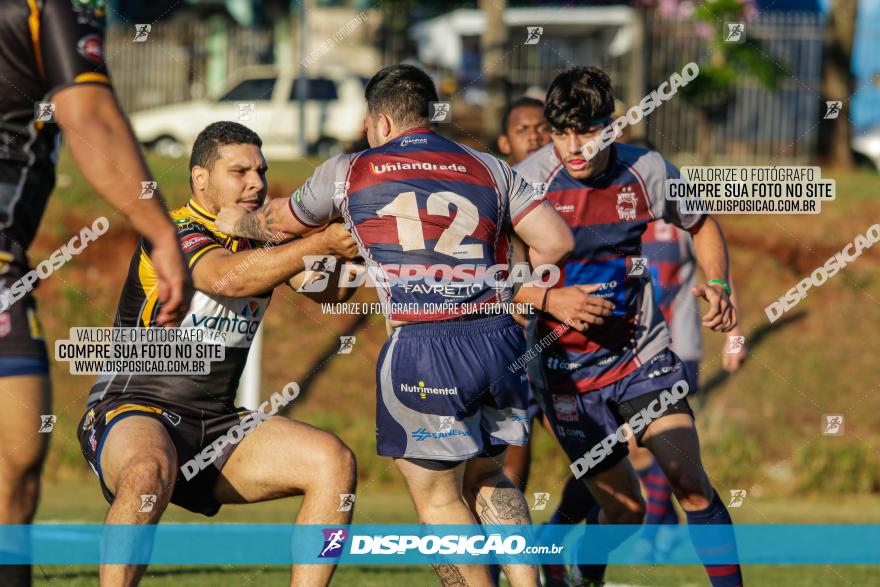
(53,81)
(140,431)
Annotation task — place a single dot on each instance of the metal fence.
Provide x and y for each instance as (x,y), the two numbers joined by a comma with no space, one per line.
(183,60)
(537,65)
(180,59)
(758,126)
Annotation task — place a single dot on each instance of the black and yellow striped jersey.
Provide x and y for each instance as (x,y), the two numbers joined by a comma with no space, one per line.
(234,320)
(45,46)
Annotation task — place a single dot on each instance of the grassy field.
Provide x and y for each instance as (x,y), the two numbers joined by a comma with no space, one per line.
(82,503)
(760,429)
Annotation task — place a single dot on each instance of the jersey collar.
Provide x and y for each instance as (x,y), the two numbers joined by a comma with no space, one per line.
(200,211)
(414,131)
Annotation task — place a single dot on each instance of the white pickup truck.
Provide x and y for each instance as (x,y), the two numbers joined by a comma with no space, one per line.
(266,101)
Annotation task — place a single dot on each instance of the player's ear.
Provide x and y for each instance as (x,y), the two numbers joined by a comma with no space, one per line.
(504,145)
(385,125)
(199,177)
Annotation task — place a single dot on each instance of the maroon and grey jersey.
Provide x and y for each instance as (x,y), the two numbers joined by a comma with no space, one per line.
(673,264)
(432,218)
(607,215)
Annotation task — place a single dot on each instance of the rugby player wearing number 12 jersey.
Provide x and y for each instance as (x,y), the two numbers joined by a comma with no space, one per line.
(447,403)
(589,382)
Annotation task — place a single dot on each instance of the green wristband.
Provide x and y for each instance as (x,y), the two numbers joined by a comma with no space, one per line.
(721,283)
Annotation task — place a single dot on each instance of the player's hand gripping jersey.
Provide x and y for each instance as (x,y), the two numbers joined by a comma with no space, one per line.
(607,215)
(232,322)
(421,204)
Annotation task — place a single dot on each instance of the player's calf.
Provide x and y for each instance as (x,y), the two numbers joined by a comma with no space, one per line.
(139,468)
(22,446)
(673,441)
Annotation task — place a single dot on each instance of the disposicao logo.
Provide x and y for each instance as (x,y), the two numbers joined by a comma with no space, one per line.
(334,542)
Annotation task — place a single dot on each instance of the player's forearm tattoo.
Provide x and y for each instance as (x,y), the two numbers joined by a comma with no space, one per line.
(255,225)
(450,576)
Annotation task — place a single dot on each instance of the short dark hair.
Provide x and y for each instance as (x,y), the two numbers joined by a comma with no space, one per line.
(577,96)
(217,134)
(403,92)
(518,103)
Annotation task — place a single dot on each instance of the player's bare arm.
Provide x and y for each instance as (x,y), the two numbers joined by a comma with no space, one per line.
(103,146)
(731,362)
(711,250)
(255,271)
(550,240)
(273,222)
(547,235)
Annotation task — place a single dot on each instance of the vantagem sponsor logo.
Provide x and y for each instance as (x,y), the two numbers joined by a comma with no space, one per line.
(386,167)
(424,391)
(246,323)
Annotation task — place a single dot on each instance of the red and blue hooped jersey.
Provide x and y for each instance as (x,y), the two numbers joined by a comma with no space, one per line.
(673,264)
(608,215)
(432,218)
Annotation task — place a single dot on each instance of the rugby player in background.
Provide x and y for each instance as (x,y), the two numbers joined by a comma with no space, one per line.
(672,262)
(524,131)
(141,432)
(54,79)
(590,381)
(447,404)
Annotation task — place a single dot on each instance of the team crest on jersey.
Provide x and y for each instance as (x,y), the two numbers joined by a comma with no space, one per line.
(626,204)
(565,407)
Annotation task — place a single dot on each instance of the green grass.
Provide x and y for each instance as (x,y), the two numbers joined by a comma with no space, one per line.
(81,502)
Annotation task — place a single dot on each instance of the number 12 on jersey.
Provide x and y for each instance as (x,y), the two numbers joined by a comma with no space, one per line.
(405,209)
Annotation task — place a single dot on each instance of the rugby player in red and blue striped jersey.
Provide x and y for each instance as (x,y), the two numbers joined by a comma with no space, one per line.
(448,403)
(590,381)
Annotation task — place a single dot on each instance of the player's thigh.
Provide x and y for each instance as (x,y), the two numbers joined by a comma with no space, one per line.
(139,446)
(432,487)
(617,491)
(22,446)
(674,443)
(283,457)
(480,468)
